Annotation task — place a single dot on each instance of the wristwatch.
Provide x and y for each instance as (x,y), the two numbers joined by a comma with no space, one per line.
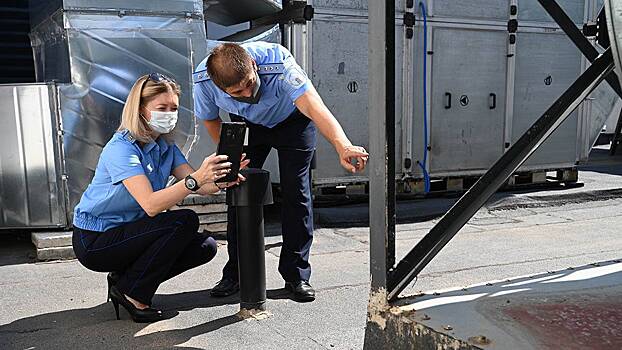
(191,183)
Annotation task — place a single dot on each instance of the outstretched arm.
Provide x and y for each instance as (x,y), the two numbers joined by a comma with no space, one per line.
(310,104)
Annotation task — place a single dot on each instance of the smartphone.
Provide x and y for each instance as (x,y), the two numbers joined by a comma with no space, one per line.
(231,144)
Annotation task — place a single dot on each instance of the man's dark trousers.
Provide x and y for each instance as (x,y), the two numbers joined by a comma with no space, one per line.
(295,140)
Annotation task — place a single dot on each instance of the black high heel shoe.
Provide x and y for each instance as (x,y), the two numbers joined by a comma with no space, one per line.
(147,315)
(112,278)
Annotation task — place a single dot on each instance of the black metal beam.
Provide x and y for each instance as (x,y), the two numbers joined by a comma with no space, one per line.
(577,37)
(381,141)
(390,129)
(489,183)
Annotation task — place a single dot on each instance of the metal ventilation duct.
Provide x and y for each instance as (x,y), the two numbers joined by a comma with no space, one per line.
(229,12)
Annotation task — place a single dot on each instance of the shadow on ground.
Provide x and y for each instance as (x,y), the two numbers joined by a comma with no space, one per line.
(97,328)
(16,248)
(602,162)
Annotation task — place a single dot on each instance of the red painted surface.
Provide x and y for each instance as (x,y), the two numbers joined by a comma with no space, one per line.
(571,325)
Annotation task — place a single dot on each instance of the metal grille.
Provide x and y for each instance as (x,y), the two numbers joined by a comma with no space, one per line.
(16,62)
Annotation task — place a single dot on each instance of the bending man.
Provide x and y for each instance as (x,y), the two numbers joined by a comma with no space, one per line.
(261,84)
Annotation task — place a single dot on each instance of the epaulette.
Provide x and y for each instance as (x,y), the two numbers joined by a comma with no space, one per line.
(128,135)
(200,74)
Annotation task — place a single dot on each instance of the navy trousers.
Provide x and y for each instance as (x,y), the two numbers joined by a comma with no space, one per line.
(146,252)
(295,140)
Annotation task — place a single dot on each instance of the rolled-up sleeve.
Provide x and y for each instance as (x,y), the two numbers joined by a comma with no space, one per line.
(204,106)
(178,157)
(122,160)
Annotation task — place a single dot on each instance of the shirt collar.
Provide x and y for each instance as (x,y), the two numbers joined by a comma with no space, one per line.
(160,142)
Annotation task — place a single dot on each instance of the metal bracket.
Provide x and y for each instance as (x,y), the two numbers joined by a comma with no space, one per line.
(409,24)
(409,19)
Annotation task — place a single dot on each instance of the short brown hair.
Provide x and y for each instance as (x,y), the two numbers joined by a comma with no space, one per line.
(228,65)
(143,91)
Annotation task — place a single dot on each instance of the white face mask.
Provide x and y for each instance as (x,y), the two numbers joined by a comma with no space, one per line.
(162,122)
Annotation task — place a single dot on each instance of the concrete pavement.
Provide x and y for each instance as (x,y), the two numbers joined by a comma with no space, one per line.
(61,305)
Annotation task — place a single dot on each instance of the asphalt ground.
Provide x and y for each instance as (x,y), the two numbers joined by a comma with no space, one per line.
(62,305)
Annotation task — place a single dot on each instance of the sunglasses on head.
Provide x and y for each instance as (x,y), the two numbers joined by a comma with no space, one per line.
(157,78)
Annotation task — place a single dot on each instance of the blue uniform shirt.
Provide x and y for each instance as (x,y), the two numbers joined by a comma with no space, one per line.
(282,82)
(106,203)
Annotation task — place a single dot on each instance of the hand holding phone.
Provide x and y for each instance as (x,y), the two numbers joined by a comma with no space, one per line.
(231,144)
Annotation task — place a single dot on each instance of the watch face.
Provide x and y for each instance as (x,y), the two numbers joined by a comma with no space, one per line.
(191,183)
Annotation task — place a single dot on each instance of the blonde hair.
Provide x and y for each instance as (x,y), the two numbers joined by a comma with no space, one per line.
(143,91)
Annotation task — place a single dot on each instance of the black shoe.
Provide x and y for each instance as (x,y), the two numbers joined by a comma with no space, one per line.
(147,315)
(112,279)
(225,288)
(302,290)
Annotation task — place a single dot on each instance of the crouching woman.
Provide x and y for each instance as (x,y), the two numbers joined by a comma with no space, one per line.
(122,224)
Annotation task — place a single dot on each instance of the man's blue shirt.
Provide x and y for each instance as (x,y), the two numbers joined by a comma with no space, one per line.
(278,91)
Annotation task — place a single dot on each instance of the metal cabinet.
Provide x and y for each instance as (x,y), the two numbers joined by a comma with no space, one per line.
(338,69)
(482,92)
(32,185)
(546,65)
(340,5)
(528,10)
(531,10)
(467,99)
(480,9)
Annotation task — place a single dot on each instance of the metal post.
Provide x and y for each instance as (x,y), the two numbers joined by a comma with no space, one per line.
(381,68)
(489,183)
(381,141)
(248,199)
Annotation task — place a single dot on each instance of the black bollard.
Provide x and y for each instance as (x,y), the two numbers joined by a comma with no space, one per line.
(248,199)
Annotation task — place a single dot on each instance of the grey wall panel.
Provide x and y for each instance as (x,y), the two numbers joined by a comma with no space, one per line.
(469,63)
(31,187)
(482,9)
(546,65)
(603,112)
(531,10)
(339,72)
